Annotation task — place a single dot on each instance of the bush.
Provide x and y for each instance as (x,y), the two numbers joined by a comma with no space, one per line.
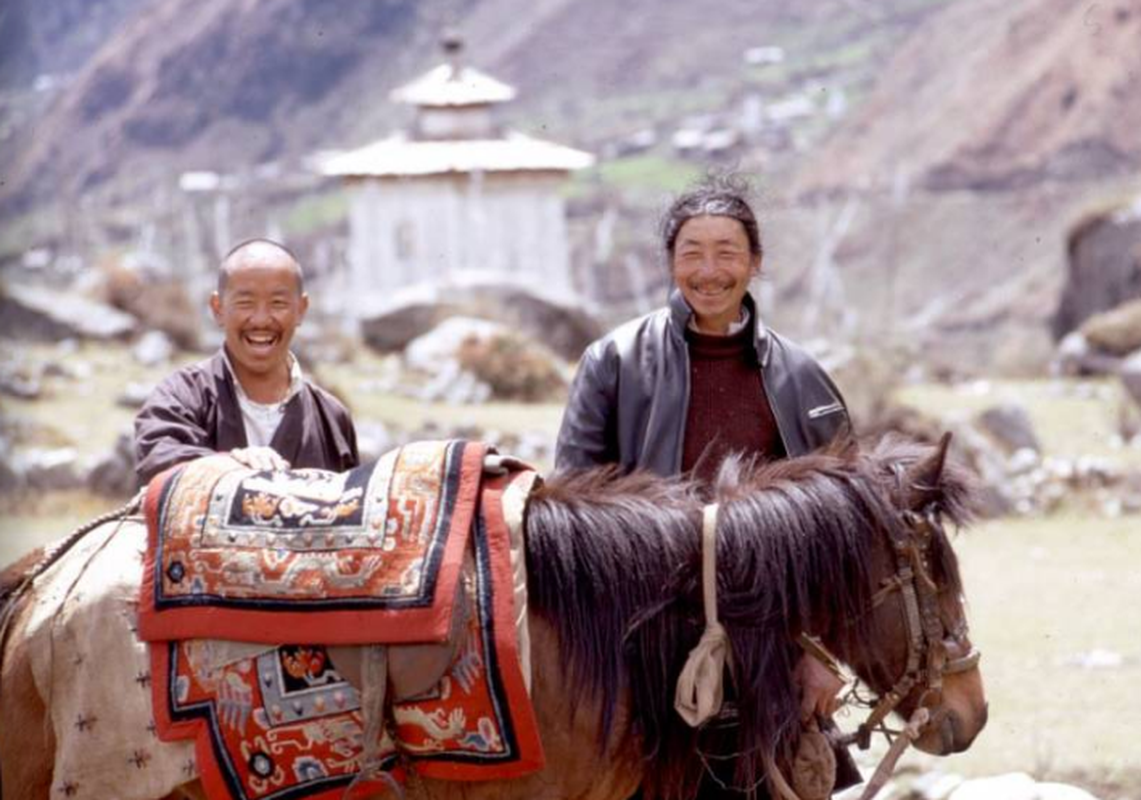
(514,367)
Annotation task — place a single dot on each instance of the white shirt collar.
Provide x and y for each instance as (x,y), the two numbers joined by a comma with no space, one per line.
(734,327)
(295,381)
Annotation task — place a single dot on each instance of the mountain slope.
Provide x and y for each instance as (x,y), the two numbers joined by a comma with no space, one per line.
(194,84)
(226,84)
(994,94)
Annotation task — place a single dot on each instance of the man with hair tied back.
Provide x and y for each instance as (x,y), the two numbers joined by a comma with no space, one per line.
(680,389)
(251,398)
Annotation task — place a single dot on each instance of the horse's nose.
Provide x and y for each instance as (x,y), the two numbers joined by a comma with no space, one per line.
(955,739)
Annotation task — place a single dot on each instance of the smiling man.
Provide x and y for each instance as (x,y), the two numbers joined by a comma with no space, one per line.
(251,398)
(680,389)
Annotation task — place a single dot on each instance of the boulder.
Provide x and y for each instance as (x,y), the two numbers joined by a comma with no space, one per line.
(1062,791)
(429,350)
(1104,266)
(1017,786)
(113,474)
(561,325)
(19,382)
(41,314)
(134,394)
(472,360)
(373,440)
(73,369)
(1010,426)
(10,479)
(49,470)
(1076,357)
(451,383)
(159,299)
(935,785)
(1013,786)
(153,348)
(515,368)
(1130,372)
(1116,332)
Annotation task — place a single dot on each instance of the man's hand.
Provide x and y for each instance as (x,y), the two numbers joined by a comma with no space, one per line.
(260,458)
(819,688)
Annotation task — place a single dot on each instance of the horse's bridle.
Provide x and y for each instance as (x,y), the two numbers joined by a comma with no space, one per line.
(932,651)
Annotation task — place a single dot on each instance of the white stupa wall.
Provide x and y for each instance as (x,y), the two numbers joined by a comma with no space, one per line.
(434,229)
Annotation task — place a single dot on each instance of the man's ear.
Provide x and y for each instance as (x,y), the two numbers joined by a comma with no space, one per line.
(216,306)
(304,307)
(756,270)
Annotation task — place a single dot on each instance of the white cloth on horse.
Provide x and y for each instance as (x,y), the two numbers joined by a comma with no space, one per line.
(514,506)
(94,674)
(700,687)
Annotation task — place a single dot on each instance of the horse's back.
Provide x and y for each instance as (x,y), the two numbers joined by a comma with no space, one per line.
(76,680)
(26,740)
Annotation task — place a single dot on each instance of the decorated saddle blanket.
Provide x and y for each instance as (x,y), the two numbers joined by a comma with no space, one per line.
(378,554)
(369,555)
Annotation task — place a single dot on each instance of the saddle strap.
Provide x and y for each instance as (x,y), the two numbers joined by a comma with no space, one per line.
(374,677)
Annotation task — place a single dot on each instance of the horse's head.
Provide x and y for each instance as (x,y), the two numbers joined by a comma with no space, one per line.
(923,656)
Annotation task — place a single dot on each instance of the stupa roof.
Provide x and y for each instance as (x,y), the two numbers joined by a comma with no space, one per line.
(398,156)
(452,85)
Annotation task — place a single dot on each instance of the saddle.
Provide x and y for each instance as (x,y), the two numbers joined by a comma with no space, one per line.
(409,572)
(413,669)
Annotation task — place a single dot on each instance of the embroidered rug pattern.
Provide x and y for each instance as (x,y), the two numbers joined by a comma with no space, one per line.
(310,555)
(283,723)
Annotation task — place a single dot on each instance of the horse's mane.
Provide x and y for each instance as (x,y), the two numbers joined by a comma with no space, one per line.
(614,564)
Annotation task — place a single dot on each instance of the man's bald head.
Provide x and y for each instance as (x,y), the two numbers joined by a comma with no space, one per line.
(259,253)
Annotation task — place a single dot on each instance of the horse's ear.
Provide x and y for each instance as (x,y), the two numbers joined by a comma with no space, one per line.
(922,484)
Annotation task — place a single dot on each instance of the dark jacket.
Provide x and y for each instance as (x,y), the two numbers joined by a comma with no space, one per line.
(195,412)
(629,398)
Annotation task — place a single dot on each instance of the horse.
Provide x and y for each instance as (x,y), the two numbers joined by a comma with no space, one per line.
(847,545)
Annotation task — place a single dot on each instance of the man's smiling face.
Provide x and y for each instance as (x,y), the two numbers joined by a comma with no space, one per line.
(259,307)
(712,266)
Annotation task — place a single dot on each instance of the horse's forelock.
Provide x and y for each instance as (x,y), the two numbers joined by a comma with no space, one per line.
(957,500)
(957,491)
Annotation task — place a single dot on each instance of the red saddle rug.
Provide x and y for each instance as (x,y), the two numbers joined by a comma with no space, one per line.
(372,555)
(367,555)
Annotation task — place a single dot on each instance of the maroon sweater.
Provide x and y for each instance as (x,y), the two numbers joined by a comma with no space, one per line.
(728,410)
